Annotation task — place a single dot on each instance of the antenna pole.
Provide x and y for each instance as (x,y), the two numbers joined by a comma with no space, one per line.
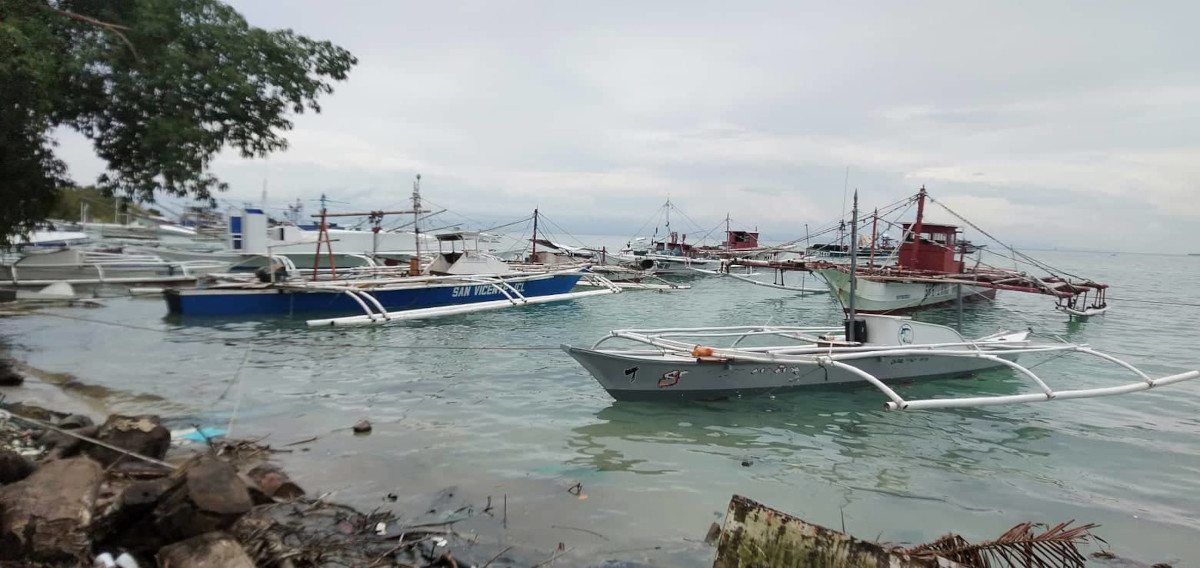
(853,266)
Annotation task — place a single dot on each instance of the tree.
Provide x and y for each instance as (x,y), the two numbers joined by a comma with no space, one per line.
(158,86)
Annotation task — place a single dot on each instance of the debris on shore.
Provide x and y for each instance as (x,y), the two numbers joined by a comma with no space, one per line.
(754,535)
(77,494)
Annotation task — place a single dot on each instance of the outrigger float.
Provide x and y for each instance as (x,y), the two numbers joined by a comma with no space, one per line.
(685,364)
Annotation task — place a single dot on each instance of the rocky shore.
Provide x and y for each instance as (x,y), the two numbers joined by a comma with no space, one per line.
(120,493)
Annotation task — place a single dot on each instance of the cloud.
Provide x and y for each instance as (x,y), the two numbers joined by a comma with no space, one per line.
(597,112)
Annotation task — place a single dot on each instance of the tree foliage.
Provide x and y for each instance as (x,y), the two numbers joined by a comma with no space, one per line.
(158,86)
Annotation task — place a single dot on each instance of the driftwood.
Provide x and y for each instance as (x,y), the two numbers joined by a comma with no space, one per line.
(755,535)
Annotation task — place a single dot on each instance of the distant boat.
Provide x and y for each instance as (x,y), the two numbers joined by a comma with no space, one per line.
(932,272)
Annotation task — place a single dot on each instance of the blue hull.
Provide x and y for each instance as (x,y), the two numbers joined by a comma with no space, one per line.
(247,301)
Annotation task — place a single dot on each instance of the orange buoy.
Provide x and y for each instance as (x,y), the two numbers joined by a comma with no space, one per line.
(702,351)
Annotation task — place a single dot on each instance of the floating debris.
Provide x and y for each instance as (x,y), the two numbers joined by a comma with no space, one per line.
(755,535)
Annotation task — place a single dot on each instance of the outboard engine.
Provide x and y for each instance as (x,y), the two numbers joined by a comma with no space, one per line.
(264,273)
(860,330)
(646,264)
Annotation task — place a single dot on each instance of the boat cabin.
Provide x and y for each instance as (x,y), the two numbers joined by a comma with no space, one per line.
(676,247)
(934,251)
(740,240)
(458,253)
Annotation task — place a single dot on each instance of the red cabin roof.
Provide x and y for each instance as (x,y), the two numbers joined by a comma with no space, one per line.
(936,250)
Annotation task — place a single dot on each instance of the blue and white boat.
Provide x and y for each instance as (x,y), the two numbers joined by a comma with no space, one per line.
(455,277)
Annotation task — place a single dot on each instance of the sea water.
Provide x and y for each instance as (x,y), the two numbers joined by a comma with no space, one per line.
(487,406)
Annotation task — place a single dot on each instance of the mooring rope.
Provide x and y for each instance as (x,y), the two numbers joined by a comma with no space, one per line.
(87,439)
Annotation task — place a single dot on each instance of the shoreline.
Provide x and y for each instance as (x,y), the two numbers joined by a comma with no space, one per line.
(477,533)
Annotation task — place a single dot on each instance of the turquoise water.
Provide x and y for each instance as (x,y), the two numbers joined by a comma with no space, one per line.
(527,422)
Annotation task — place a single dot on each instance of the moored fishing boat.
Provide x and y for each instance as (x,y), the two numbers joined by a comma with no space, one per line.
(83,266)
(685,363)
(931,270)
(458,276)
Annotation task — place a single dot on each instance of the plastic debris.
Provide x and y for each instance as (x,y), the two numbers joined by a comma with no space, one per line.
(126,561)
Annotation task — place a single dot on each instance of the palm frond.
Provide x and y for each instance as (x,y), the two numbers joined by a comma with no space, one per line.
(1019,547)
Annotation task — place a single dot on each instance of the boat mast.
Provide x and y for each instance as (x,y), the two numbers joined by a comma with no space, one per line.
(916,228)
(533,256)
(416,199)
(853,266)
(728,236)
(874,231)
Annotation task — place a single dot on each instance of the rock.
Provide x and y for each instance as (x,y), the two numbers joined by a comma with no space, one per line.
(65,445)
(47,516)
(212,550)
(211,498)
(275,482)
(75,421)
(143,435)
(145,492)
(9,377)
(362,427)
(13,466)
(34,412)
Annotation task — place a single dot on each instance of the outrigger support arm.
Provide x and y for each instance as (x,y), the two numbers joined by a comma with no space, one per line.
(1039,397)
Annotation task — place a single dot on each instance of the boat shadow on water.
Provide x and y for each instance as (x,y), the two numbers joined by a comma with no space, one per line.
(814,430)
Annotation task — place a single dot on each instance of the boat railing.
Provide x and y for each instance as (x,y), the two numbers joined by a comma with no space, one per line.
(993,350)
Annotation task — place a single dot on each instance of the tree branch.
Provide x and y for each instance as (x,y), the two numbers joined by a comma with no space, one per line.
(114,28)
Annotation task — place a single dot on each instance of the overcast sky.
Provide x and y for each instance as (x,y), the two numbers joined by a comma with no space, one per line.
(1071,124)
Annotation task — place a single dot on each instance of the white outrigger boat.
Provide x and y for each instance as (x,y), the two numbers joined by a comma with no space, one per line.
(675,364)
(685,364)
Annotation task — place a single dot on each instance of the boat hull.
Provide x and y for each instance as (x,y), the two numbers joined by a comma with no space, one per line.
(657,377)
(284,300)
(882,297)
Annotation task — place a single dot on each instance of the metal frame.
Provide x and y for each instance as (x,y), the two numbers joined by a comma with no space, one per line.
(822,352)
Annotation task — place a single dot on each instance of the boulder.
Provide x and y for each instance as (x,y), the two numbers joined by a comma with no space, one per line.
(47,516)
(65,445)
(75,421)
(211,550)
(9,377)
(13,466)
(211,498)
(143,435)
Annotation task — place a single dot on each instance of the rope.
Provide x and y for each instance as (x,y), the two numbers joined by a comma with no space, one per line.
(91,440)
(1157,302)
(237,405)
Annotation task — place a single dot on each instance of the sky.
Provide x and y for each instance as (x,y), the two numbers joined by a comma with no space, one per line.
(1049,124)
